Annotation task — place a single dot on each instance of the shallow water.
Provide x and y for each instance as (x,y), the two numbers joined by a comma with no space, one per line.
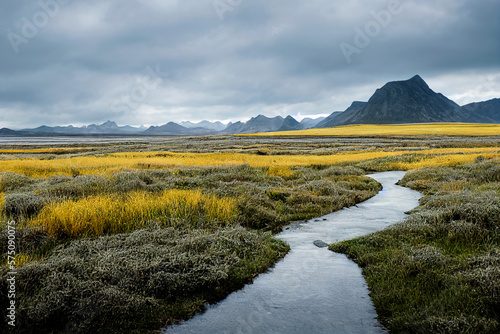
(60,140)
(312,290)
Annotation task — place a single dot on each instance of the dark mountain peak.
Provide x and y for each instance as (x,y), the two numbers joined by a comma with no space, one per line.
(414,84)
(418,79)
(174,129)
(290,124)
(7,132)
(399,102)
(256,124)
(261,118)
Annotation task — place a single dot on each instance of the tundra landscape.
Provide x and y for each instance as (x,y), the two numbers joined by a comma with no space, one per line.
(249,167)
(138,236)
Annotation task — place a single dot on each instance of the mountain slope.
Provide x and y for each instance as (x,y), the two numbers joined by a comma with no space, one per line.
(331,120)
(399,102)
(174,129)
(308,123)
(216,126)
(257,124)
(290,124)
(107,128)
(488,110)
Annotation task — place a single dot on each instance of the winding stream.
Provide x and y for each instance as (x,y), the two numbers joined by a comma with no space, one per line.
(312,290)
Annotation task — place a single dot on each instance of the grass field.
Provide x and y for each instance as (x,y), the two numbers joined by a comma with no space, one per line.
(131,237)
(115,162)
(397,130)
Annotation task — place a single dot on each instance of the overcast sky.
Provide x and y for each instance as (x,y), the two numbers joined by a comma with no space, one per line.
(153,61)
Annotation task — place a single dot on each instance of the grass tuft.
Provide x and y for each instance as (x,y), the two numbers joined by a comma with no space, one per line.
(110,214)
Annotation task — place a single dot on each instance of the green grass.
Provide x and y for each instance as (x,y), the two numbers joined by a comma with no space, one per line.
(439,270)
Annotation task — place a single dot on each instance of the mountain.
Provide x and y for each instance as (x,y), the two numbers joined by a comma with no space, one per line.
(106,128)
(174,129)
(236,127)
(489,110)
(331,120)
(290,124)
(216,126)
(8,132)
(398,102)
(257,124)
(308,123)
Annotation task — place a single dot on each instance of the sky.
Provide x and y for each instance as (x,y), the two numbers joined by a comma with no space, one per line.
(153,61)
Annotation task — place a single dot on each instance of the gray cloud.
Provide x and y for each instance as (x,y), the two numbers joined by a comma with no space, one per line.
(80,62)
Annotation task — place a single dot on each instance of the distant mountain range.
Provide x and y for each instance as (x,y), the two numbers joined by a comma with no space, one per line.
(398,102)
(108,127)
(257,124)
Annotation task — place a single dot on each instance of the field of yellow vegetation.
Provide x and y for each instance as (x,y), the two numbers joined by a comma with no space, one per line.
(44,150)
(114,162)
(440,129)
(119,213)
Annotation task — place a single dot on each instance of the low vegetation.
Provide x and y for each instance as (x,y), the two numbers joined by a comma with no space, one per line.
(404,130)
(438,271)
(137,250)
(133,236)
(114,162)
(111,214)
(137,282)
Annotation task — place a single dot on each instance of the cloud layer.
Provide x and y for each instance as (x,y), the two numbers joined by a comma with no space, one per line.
(153,61)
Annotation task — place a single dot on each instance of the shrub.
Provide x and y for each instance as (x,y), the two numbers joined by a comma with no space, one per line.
(136,282)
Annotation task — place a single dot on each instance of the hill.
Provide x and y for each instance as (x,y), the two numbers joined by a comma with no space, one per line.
(409,101)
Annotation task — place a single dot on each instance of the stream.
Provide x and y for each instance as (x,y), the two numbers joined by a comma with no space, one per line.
(312,290)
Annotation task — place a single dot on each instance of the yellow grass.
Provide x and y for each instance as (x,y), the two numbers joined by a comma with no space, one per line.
(22,259)
(441,129)
(44,150)
(2,202)
(444,160)
(108,214)
(283,171)
(161,160)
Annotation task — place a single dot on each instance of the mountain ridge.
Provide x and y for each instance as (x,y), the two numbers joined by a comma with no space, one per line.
(397,102)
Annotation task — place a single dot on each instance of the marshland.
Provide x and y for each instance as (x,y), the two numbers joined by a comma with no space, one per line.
(130,237)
